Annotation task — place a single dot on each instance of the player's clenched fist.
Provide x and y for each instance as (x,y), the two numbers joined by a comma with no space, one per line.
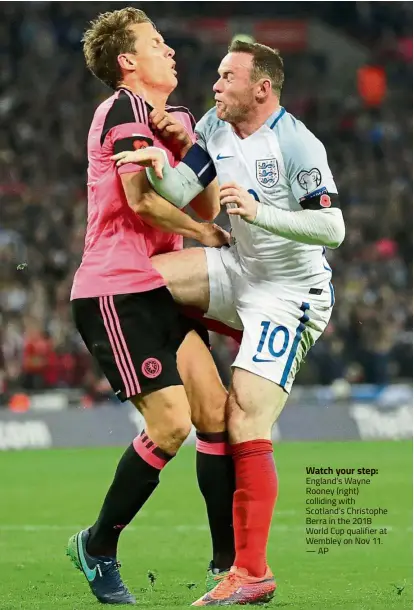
(242,202)
(148,157)
(172,131)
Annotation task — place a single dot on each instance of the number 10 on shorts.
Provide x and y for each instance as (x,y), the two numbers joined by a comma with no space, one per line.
(270,335)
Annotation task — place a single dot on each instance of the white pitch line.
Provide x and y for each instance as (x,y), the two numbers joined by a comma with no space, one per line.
(174,528)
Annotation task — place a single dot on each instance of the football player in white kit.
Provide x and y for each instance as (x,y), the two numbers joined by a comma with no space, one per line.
(274,282)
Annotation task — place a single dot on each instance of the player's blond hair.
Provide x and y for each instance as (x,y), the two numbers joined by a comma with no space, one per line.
(108,36)
(267,62)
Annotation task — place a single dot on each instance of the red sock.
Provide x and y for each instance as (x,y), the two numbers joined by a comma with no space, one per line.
(253,503)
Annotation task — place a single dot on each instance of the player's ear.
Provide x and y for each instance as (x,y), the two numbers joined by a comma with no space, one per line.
(127,61)
(264,88)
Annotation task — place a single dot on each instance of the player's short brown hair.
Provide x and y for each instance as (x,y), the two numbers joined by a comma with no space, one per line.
(267,62)
(108,36)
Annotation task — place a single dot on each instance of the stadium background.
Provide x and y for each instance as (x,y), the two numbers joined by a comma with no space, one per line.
(46,105)
(349,78)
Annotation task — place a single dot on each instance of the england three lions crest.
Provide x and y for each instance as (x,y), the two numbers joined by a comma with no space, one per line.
(267,172)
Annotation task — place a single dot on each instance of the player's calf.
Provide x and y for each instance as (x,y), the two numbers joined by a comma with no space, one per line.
(215,474)
(215,469)
(167,415)
(254,404)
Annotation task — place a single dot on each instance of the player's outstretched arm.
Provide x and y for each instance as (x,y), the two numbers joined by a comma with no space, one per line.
(159,213)
(191,182)
(206,204)
(323,227)
(315,227)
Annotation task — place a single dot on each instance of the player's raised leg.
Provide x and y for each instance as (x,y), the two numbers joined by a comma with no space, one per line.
(186,276)
(254,404)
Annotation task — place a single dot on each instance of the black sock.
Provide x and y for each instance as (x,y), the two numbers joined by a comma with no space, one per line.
(136,477)
(215,474)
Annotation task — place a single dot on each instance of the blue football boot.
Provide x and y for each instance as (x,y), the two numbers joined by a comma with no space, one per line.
(102,573)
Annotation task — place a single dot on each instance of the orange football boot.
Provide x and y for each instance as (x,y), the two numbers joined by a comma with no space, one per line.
(239,588)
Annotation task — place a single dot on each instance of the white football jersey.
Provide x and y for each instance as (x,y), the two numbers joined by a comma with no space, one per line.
(279,164)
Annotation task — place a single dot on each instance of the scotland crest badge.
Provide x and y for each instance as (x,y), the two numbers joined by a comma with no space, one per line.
(267,172)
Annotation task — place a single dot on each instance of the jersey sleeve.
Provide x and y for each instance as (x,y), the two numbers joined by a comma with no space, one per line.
(127,128)
(308,172)
(198,158)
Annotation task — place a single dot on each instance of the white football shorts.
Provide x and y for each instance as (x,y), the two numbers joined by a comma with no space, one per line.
(279,326)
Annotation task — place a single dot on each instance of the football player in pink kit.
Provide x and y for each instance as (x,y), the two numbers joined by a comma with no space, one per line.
(123,310)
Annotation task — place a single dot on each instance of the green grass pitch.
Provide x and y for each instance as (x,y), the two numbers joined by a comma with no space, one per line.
(48,495)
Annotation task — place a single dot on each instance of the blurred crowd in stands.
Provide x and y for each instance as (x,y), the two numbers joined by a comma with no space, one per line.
(47,99)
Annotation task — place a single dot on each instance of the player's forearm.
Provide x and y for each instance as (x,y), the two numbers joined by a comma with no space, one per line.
(190,182)
(314,227)
(179,185)
(159,213)
(207,203)
(156,211)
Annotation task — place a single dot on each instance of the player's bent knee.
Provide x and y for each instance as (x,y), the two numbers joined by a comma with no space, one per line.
(209,417)
(205,391)
(243,427)
(251,411)
(179,433)
(167,417)
(170,438)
